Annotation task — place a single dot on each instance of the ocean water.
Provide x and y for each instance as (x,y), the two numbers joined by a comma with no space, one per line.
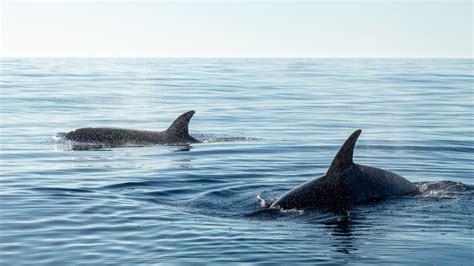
(267,125)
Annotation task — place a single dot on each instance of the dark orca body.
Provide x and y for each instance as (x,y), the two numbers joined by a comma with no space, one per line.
(345,184)
(177,133)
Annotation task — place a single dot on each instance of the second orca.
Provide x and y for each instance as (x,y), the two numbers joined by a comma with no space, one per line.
(177,133)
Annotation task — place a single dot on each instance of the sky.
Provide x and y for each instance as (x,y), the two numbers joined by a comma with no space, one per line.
(237,29)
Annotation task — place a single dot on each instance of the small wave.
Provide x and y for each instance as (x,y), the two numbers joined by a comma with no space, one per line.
(417,148)
(268,213)
(129,185)
(261,201)
(228,139)
(443,189)
(60,190)
(264,203)
(60,137)
(171,192)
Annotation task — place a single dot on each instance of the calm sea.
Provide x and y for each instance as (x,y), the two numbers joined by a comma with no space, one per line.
(267,126)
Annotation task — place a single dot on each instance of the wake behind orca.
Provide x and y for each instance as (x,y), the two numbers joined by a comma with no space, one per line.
(346,183)
(177,133)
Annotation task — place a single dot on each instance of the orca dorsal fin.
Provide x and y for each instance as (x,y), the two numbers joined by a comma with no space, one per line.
(179,128)
(343,158)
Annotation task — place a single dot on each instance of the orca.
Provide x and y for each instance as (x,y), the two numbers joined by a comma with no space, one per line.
(345,184)
(177,133)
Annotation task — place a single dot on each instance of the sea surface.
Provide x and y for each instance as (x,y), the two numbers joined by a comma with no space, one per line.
(266,125)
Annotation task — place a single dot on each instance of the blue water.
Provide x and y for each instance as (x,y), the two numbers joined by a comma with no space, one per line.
(267,126)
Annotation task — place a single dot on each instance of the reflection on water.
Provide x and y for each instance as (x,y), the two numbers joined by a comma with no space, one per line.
(185,163)
(185,147)
(341,228)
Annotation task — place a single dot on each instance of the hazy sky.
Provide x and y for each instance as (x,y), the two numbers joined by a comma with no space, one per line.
(238,29)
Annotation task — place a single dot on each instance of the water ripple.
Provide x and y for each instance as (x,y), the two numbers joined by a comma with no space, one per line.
(267,126)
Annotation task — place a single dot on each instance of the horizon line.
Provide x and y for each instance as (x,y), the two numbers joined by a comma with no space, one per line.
(243,57)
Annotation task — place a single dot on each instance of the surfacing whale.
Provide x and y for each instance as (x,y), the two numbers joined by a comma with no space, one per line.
(345,183)
(177,133)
